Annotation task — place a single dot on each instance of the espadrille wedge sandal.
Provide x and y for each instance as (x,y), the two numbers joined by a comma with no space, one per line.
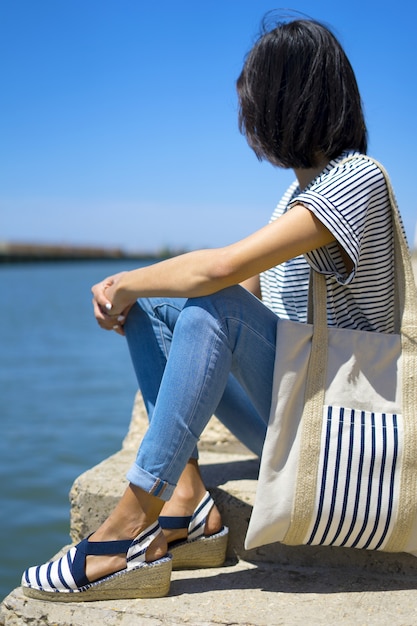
(64,580)
(198,550)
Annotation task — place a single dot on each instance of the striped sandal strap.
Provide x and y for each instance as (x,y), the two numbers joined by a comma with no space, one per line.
(199,517)
(195,523)
(136,554)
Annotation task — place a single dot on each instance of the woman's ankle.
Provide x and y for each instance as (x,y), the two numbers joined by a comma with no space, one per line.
(135,511)
(187,495)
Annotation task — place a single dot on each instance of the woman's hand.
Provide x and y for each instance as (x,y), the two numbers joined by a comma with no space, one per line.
(109,314)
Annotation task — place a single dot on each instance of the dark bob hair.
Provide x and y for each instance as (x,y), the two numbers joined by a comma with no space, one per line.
(298,97)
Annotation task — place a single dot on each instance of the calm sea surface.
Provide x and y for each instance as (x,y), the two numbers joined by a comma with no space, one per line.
(66,396)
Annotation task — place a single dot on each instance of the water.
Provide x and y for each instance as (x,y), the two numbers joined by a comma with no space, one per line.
(66,396)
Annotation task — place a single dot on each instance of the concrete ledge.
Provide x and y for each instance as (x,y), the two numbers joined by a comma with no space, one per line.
(242,595)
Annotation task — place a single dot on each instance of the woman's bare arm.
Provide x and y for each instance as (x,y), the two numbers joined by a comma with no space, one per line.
(205,271)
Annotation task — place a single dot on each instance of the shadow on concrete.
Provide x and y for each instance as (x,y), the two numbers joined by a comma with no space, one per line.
(219,473)
(274,578)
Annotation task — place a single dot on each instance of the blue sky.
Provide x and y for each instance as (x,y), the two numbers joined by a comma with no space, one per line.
(118,117)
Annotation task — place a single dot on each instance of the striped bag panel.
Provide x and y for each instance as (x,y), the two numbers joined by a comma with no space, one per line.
(358,482)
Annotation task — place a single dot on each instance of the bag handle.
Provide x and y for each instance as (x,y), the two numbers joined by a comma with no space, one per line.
(315,391)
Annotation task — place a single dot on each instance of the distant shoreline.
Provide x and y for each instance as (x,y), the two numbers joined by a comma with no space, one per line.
(31,253)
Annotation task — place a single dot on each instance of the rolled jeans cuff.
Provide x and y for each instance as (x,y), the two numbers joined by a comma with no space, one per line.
(149,483)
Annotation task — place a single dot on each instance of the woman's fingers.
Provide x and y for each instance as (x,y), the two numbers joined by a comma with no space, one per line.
(104,313)
(99,295)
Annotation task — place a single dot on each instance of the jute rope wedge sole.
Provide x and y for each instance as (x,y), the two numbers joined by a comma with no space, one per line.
(64,580)
(197,550)
(150,581)
(200,553)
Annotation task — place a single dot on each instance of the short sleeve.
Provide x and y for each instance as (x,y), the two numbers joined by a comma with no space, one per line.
(340,199)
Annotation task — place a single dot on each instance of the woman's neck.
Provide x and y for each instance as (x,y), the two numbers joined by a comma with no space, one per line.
(305,176)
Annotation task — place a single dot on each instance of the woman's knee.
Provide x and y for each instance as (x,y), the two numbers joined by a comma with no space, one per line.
(219,301)
(161,310)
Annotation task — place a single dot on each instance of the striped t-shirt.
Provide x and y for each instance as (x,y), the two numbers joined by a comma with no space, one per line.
(351,200)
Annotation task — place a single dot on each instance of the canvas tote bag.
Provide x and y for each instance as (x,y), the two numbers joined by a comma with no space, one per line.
(339,464)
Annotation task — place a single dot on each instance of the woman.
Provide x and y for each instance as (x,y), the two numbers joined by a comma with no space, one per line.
(299,108)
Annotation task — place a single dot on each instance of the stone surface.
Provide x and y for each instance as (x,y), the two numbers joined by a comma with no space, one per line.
(243,594)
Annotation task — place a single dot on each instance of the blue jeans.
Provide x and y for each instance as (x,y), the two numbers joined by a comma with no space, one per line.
(195,358)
